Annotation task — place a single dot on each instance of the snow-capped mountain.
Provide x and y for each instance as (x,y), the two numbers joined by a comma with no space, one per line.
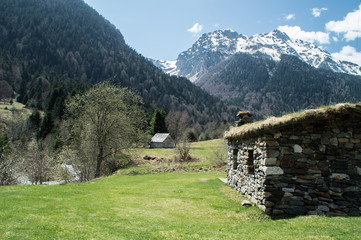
(212,48)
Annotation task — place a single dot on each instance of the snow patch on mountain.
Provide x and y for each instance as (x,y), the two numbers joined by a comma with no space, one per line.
(212,48)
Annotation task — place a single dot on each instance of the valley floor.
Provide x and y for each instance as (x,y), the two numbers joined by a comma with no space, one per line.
(139,203)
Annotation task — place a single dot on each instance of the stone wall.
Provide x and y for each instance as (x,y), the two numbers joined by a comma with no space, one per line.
(301,169)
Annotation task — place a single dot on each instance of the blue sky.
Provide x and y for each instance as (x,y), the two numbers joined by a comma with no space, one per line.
(161,29)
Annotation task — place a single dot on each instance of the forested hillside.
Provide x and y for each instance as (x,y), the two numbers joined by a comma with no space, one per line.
(266,87)
(47,45)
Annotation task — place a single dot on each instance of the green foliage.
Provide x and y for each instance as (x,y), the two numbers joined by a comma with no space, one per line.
(157,123)
(35,120)
(70,40)
(46,126)
(103,121)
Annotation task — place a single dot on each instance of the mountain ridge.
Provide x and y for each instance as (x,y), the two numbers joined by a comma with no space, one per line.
(48,41)
(214,47)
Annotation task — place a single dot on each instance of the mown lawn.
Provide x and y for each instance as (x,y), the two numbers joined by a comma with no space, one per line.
(152,206)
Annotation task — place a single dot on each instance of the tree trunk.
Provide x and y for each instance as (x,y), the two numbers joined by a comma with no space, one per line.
(99,162)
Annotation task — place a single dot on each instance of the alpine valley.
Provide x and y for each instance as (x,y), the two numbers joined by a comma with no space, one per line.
(267,74)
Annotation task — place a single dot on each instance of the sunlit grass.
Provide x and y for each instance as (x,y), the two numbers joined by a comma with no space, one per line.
(152,206)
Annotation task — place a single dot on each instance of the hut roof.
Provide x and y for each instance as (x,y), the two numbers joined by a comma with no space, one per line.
(306,116)
(160,137)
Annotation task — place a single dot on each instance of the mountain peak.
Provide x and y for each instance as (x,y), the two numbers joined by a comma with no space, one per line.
(214,47)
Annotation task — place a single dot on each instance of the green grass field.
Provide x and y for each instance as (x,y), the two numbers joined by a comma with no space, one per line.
(176,205)
(152,206)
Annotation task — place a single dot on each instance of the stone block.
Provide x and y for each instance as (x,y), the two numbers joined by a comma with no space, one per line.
(270,161)
(272,170)
(323,208)
(336,130)
(286,150)
(277,212)
(277,135)
(308,151)
(271,153)
(349,145)
(358,170)
(297,203)
(296,210)
(325,141)
(297,148)
(343,140)
(351,189)
(246,203)
(334,141)
(288,190)
(271,144)
(315,136)
(323,194)
(339,176)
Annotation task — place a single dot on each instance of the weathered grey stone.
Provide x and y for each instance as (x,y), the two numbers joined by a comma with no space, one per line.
(308,151)
(296,210)
(351,189)
(288,189)
(325,141)
(339,176)
(315,136)
(246,203)
(297,203)
(272,170)
(277,212)
(323,208)
(288,194)
(349,145)
(271,154)
(277,135)
(334,141)
(343,140)
(297,148)
(270,161)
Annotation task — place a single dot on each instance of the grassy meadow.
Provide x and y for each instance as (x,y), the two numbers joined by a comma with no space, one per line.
(192,204)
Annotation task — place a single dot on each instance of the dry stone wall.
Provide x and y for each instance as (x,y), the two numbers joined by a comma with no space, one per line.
(302,169)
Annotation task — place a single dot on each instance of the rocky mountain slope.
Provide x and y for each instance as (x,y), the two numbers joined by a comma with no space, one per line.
(212,48)
(268,74)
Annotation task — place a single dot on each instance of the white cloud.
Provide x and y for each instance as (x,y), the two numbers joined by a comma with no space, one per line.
(350,26)
(316,12)
(348,53)
(197,28)
(296,32)
(335,39)
(290,17)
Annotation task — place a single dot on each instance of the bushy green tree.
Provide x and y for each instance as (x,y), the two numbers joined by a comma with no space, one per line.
(157,124)
(103,121)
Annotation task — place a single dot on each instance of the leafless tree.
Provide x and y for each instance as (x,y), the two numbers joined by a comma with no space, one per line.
(177,123)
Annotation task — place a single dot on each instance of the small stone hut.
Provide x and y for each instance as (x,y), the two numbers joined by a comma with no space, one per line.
(162,140)
(301,163)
